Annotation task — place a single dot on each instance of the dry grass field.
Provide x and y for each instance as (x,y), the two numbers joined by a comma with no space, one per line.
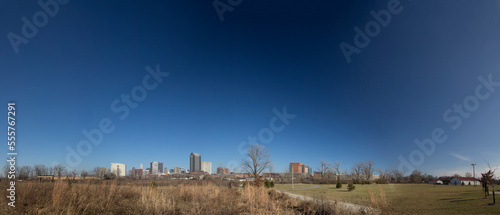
(407,198)
(144,197)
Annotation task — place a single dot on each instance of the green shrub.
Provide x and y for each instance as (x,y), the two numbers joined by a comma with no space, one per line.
(464,183)
(350,187)
(267,184)
(339,185)
(272,183)
(153,185)
(469,182)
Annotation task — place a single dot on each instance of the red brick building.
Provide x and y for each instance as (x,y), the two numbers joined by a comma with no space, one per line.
(222,171)
(297,167)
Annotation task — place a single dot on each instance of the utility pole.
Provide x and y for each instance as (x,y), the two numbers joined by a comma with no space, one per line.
(474,173)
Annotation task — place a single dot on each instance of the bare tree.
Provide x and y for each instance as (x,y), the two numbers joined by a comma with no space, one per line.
(5,170)
(95,171)
(416,177)
(367,169)
(357,171)
(398,175)
(41,169)
(468,174)
(84,174)
(258,159)
(325,167)
(336,168)
(24,172)
(50,171)
(59,170)
(270,167)
(384,175)
(100,172)
(487,179)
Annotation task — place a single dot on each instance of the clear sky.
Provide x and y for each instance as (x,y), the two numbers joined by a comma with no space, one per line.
(226,77)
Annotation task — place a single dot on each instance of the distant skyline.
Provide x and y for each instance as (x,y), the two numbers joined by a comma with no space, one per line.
(154,81)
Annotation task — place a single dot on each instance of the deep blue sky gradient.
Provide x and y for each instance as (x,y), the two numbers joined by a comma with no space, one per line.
(226,78)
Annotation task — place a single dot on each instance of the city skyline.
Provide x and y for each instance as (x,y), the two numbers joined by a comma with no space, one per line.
(105,82)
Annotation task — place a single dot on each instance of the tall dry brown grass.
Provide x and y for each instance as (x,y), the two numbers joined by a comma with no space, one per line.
(380,201)
(164,197)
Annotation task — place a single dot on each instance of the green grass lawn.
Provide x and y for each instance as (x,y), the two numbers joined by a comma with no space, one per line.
(407,198)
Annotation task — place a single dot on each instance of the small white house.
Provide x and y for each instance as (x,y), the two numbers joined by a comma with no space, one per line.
(435,182)
(465,180)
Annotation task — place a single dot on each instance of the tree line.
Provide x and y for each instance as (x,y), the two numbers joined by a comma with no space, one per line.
(27,172)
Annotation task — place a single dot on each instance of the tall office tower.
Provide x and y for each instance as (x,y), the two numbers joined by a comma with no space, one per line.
(206,167)
(195,162)
(141,165)
(160,167)
(154,167)
(177,170)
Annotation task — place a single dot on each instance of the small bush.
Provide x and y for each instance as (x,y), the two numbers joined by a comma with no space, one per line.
(464,183)
(350,187)
(272,183)
(469,182)
(267,184)
(153,185)
(339,185)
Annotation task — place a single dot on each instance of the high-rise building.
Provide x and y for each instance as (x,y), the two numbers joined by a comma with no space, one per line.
(177,170)
(194,162)
(297,167)
(141,165)
(309,170)
(153,166)
(119,169)
(206,167)
(156,167)
(160,167)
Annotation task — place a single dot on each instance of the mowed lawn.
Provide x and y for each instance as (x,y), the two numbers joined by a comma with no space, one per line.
(407,198)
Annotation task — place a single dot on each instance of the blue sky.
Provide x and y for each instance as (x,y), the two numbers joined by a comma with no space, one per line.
(226,77)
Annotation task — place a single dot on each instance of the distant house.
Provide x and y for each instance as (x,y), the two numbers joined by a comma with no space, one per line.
(435,182)
(465,180)
(45,177)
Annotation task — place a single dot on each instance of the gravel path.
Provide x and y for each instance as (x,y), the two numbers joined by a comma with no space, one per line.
(342,205)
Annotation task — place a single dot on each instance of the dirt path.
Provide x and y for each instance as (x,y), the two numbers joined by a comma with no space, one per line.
(342,205)
(303,188)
